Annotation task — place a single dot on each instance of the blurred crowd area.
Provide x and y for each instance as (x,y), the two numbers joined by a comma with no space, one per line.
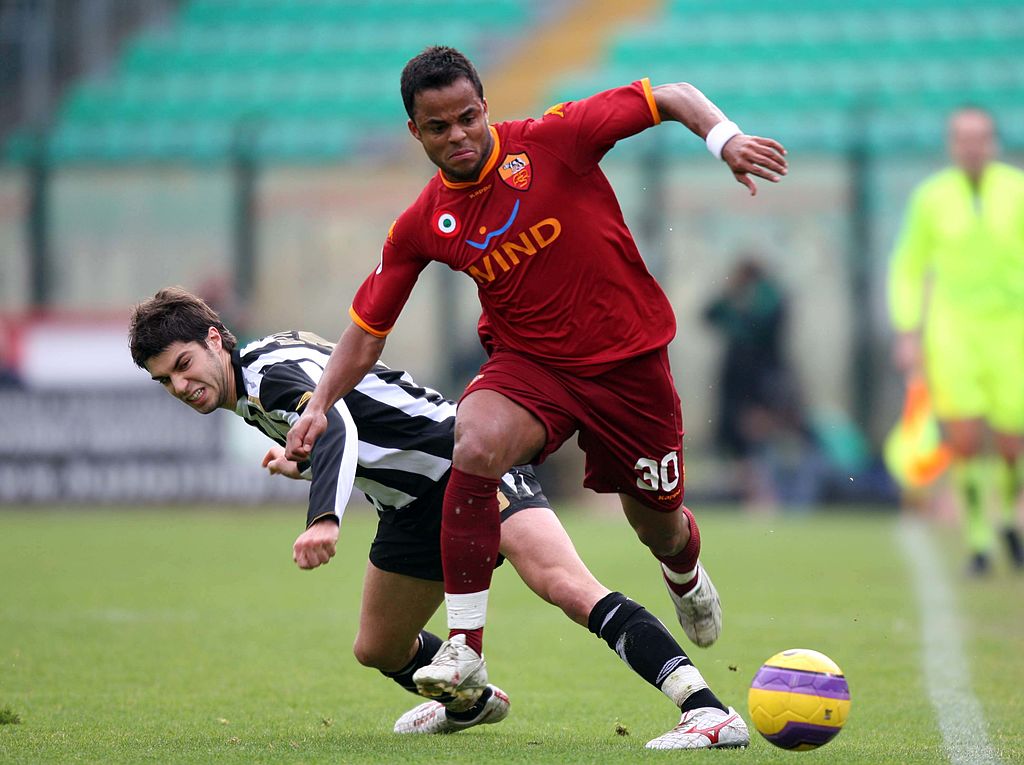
(255,152)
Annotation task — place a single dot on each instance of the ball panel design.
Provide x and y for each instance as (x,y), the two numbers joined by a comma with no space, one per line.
(802,736)
(805,659)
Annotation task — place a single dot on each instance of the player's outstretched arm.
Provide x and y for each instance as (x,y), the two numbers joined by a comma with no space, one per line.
(354,355)
(746,155)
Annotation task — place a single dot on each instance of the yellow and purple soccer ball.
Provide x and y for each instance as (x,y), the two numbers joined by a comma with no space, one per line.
(799,699)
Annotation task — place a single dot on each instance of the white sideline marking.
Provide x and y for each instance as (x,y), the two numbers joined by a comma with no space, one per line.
(946,674)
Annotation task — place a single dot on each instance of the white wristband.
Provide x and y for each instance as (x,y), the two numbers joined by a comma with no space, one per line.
(719,135)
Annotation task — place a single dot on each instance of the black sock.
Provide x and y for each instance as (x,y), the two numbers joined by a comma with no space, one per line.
(644,644)
(430,644)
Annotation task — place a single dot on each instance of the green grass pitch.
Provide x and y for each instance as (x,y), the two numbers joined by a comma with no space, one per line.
(169,636)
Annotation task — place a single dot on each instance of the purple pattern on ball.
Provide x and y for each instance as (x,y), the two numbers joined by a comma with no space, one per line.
(801,681)
(796,733)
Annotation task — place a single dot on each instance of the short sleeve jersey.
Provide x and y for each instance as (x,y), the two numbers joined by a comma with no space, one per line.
(541,233)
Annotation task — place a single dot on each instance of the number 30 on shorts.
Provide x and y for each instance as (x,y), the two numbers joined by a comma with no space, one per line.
(658,476)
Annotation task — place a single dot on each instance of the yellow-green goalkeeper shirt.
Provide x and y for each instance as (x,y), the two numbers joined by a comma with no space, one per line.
(972,245)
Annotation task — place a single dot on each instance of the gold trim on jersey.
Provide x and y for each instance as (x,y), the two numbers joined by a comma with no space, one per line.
(646,82)
(492,160)
(364,326)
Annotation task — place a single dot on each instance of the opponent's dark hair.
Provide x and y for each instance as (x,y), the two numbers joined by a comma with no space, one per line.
(171,315)
(436,67)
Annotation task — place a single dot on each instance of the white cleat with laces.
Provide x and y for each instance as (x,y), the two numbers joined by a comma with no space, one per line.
(456,674)
(699,611)
(705,728)
(432,716)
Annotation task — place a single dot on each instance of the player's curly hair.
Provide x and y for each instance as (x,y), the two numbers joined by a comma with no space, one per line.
(436,67)
(171,315)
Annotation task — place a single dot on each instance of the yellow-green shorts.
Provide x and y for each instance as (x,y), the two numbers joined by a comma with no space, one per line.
(976,369)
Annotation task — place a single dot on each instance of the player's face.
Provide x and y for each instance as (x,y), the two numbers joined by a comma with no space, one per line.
(972,140)
(451,123)
(195,373)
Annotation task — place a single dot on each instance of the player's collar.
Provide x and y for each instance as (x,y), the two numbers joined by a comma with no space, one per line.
(492,160)
(236,368)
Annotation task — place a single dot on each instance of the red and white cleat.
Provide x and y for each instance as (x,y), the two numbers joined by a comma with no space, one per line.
(699,611)
(705,728)
(432,717)
(456,672)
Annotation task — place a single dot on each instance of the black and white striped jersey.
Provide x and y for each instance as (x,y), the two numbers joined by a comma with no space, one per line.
(389,437)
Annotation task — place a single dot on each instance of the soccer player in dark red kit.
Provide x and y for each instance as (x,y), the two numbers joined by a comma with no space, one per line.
(575,326)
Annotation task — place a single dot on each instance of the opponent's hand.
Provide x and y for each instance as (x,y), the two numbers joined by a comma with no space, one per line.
(316,545)
(303,434)
(748,155)
(275,462)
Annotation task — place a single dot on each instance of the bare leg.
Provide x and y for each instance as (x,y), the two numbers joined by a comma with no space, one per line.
(394,610)
(536,544)
(666,534)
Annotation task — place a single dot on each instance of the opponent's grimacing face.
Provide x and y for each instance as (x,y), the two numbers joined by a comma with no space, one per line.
(451,124)
(192,372)
(972,140)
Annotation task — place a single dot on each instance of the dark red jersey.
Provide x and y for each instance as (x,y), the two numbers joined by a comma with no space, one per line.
(541,232)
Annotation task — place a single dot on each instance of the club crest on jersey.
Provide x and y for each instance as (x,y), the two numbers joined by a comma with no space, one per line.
(515,171)
(446,224)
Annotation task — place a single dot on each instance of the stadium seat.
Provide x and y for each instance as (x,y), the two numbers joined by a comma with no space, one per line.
(309,74)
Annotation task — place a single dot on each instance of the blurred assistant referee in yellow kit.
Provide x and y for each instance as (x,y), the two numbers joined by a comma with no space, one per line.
(956,296)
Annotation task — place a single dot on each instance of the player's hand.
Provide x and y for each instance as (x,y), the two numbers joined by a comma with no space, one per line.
(275,462)
(907,354)
(316,545)
(748,155)
(304,433)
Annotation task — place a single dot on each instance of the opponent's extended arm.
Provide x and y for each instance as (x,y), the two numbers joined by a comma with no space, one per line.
(354,355)
(745,155)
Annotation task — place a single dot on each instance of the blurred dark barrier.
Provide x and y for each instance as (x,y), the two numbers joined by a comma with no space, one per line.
(123,446)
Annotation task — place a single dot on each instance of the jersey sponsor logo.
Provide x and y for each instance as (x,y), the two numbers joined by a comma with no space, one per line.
(515,171)
(497,232)
(509,254)
(446,224)
(557,110)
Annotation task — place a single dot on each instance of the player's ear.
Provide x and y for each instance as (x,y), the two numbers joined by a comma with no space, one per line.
(213,339)
(414,131)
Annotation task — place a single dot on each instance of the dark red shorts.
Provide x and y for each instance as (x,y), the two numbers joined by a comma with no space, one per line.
(629,420)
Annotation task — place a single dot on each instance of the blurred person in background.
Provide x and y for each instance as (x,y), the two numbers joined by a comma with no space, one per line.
(393,440)
(10,377)
(956,298)
(760,418)
(576,329)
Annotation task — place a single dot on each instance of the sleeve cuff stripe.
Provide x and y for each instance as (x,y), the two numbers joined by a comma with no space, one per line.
(646,82)
(364,326)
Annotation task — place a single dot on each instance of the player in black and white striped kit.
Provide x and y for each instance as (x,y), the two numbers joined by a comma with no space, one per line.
(393,440)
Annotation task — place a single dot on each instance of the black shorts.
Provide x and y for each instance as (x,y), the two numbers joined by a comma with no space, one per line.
(408,540)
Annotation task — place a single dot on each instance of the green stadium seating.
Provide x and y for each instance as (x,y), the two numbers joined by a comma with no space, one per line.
(311,80)
(827,74)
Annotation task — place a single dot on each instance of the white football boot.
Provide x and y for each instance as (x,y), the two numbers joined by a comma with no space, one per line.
(699,611)
(456,672)
(705,728)
(431,716)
